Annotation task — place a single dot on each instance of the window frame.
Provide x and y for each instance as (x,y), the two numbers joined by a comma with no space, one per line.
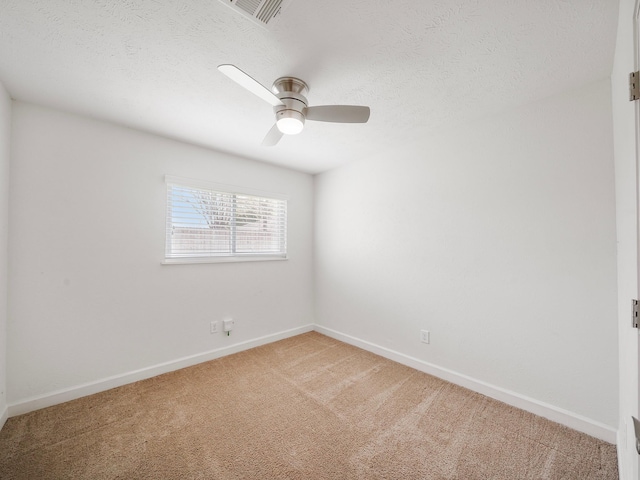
(223,257)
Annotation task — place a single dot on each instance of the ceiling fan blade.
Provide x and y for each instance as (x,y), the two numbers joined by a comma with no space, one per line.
(338,113)
(248,82)
(272,137)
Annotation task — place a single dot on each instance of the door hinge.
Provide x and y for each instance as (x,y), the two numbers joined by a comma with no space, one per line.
(635,314)
(634,86)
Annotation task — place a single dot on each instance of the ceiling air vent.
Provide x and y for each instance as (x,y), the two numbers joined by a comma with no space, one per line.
(262,12)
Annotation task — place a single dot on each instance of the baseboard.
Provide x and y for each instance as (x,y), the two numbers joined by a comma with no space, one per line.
(4,416)
(68,394)
(551,412)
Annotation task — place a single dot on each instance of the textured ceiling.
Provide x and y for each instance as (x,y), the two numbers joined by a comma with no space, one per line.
(419,65)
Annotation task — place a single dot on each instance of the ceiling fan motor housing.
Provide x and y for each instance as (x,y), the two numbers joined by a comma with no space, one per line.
(290,116)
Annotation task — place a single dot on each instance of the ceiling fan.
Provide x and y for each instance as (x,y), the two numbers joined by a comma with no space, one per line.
(290,105)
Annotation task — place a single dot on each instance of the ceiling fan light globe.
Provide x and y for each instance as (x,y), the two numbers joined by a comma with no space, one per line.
(290,122)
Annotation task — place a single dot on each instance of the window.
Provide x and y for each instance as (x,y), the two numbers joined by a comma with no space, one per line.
(207,222)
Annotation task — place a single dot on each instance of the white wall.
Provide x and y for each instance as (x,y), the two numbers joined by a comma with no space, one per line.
(5,133)
(627,218)
(499,239)
(89,298)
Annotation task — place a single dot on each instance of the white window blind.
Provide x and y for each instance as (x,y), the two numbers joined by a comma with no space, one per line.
(207,222)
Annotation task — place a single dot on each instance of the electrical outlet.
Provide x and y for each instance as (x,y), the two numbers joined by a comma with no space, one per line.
(214,327)
(424,336)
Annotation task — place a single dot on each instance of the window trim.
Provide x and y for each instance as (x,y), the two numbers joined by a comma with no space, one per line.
(223,258)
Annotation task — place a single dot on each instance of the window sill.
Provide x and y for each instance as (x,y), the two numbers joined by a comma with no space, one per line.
(229,259)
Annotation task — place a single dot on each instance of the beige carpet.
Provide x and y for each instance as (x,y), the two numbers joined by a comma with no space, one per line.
(308,407)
